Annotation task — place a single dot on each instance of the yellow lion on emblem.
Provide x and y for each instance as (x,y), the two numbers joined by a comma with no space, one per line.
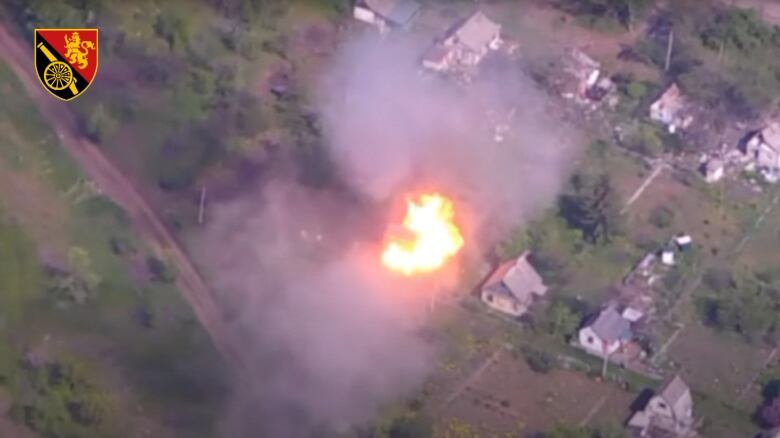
(77,50)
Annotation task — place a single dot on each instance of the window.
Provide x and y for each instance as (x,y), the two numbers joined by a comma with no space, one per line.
(490,298)
(662,405)
(590,339)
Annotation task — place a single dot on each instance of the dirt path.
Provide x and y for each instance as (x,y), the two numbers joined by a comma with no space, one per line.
(473,377)
(593,411)
(752,381)
(116,186)
(649,180)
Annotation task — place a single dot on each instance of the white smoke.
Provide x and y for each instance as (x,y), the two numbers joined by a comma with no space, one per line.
(331,335)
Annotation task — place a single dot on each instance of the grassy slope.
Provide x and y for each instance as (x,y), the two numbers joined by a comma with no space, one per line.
(171,367)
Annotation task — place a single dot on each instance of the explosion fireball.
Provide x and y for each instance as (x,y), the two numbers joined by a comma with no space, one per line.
(431,236)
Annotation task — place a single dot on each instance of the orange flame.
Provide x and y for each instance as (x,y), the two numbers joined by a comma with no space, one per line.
(432,238)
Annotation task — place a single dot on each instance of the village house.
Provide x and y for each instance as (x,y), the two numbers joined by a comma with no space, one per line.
(763,148)
(512,287)
(465,45)
(386,14)
(668,413)
(605,333)
(672,110)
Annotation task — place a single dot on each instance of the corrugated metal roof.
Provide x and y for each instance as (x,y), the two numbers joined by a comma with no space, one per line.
(518,278)
(477,31)
(611,326)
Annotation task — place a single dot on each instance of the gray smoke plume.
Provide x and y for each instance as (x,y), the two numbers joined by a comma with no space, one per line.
(332,335)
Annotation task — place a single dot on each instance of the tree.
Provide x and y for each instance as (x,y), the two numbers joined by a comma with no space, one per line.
(561,320)
(622,11)
(539,361)
(593,207)
(770,413)
(739,29)
(410,426)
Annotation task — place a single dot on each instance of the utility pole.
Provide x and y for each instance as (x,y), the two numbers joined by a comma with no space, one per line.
(669,51)
(604,366)
(202,204)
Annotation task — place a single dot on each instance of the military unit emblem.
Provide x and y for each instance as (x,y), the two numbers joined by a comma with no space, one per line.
(66,60)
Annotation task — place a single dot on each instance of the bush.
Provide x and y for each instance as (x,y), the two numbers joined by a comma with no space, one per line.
(662,217)
(770,413)
(539,361)
(100,124)
(636,90)
(160,270)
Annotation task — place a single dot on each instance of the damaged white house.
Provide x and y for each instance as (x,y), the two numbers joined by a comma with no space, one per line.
(669,413)
(672,110)
(386,14)
(763,148)
(513,286)
(465,45)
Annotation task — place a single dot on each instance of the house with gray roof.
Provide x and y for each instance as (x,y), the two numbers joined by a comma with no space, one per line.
(465,44)
(605,333)
(386,14)
(512,287)
(669,413)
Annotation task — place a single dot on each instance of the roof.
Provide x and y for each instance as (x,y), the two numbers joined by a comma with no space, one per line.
(518,278)
(397,11)
(477,31)
(677,394)
(610,326)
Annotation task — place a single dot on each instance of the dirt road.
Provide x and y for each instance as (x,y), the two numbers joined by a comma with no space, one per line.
(112,183)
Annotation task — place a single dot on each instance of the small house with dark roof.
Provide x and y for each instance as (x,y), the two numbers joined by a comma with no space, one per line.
(512,287)
(605,333)
(386,14)
(669,413)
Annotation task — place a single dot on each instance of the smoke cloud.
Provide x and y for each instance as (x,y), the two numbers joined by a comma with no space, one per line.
(332,336)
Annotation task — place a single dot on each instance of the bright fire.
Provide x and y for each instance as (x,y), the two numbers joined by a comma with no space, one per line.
(432,236)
